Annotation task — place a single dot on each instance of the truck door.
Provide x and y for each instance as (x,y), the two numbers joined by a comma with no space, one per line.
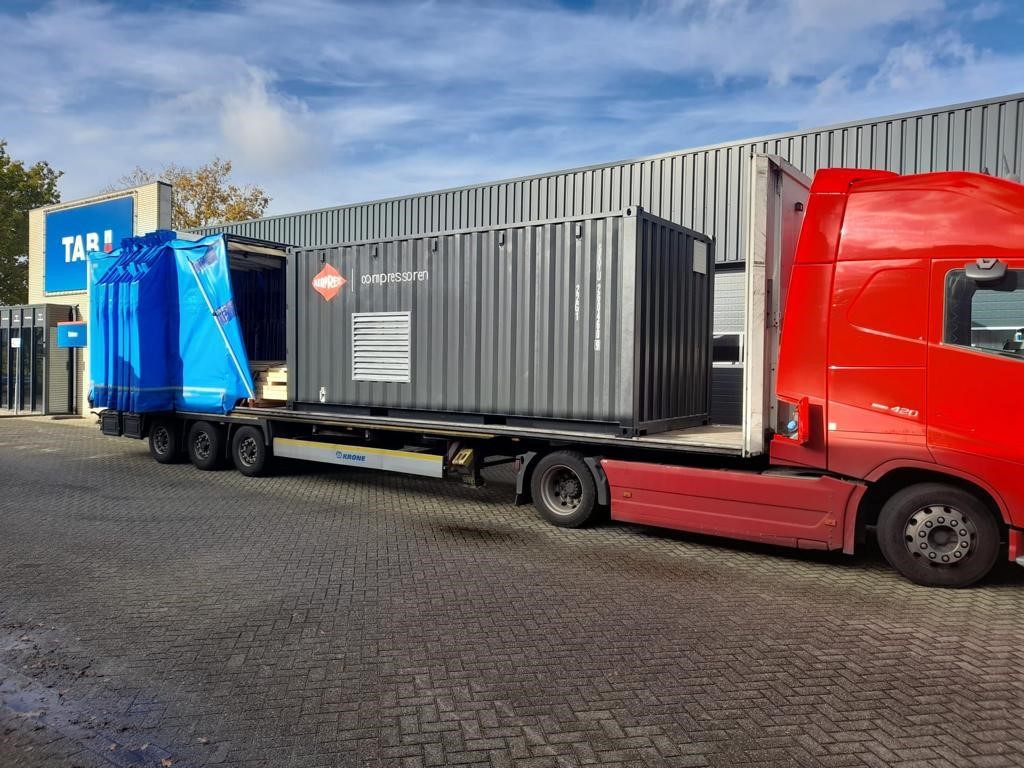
(778,194)
(976,368)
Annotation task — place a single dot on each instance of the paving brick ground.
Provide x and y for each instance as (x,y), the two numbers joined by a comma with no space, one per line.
(328,617)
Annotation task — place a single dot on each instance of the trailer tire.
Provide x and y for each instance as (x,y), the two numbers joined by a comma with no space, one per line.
(938,535)
(563,489)
(165,441)
(206,446)
(249,451)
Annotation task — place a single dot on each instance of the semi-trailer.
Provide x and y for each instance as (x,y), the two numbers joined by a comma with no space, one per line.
(884,346)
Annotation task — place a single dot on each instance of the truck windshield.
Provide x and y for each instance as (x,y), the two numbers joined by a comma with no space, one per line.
(986,316)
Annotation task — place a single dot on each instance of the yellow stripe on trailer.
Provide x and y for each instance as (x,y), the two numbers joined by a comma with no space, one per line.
(407,462)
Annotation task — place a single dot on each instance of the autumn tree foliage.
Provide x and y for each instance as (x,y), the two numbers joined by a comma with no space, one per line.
(21,189)
(204,195)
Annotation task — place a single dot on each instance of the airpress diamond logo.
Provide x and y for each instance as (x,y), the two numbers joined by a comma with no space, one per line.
(328,282)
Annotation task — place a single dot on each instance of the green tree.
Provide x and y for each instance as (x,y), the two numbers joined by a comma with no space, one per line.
(21,189)
(203,195)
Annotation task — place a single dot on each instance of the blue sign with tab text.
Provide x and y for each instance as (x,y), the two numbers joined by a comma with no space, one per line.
(73,232)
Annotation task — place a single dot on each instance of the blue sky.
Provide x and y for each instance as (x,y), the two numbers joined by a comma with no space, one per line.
(325,103)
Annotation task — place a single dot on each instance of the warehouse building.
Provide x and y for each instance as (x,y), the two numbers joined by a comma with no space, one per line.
(704,189)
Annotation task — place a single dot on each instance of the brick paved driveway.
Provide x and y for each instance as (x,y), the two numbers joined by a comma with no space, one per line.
(158,615)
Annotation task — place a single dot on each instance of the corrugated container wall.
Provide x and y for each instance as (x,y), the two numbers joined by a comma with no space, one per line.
(601,320)
(704,189)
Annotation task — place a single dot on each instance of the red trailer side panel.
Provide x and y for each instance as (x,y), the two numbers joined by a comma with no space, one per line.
(789,510)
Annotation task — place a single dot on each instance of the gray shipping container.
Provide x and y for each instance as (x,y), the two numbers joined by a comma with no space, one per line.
(600,322)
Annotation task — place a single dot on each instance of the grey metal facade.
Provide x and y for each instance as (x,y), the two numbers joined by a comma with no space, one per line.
(704,189)
(730,290)
(593,320)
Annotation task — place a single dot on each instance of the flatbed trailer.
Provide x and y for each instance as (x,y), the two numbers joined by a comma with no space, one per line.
(714,439)
(839,434)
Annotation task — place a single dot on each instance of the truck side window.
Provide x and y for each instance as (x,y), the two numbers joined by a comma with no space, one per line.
(985,316)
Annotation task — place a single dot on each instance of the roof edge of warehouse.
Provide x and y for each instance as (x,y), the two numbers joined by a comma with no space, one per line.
(594,166)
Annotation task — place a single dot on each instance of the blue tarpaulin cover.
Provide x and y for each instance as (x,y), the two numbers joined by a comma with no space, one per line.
(163,334)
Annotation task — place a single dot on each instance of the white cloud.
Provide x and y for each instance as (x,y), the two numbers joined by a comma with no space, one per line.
(263,132)
(914,65)
(987,10)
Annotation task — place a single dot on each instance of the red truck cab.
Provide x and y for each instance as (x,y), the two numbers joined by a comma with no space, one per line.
(900,359)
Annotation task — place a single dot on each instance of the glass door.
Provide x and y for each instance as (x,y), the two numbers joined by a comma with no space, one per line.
(25,358)
(38,361)
(5,367)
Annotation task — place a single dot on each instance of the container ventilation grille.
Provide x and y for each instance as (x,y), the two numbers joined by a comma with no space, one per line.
(381,346)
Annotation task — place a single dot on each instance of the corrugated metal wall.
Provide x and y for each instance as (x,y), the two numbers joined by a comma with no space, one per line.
(674,280)
(730,290)
(703,188)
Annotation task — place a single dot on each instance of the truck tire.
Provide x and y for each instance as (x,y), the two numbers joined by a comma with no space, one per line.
(165,441)
(938,535)
(563,489)
(249,452)
(206,445)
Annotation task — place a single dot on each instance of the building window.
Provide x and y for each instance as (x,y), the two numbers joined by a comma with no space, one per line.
(987,316)
(727,349)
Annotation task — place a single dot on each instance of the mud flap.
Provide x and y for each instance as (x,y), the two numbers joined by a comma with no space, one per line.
(524,467)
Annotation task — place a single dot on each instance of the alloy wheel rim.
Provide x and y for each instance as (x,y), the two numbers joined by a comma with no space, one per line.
(201,445)
(161,440)
(248,451)
(940,535)
(562,490)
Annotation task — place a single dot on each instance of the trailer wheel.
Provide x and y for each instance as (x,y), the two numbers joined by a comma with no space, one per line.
(205,445)
(249,452)
(165,441)
(938,535)
(563,489)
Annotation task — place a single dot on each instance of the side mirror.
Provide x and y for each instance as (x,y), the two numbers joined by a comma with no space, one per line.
(985,270)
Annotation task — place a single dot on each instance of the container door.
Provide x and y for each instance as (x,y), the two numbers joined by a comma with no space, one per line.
(38,365)
(5,367)
(778,195)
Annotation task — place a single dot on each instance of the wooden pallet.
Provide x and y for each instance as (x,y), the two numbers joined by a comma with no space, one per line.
(271,380)
(271,392)
(276,375)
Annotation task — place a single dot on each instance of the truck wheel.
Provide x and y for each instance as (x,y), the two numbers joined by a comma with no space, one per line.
(205,445)
(938,535)
(249,452)
(165,441)
(563,489)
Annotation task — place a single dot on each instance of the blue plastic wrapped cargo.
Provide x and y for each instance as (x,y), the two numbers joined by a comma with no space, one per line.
(163,334)
(215,367)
